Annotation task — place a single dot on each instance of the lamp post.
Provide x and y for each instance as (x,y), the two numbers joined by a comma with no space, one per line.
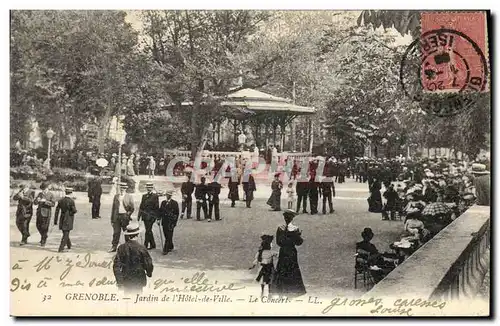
(242,140)
(50,133)
(121,138)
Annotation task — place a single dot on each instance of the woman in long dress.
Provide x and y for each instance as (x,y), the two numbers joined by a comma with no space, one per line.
(233,190)
(288,281)
(275,200)
(130,166)
(375,200)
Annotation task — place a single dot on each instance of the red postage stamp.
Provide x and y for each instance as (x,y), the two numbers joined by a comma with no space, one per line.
(454,51)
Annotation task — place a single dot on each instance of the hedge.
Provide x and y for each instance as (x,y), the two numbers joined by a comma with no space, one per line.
(61,177)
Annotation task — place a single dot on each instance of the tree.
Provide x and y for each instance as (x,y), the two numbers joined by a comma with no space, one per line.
(465,132)
(73,67)
(404,21)
(194,51)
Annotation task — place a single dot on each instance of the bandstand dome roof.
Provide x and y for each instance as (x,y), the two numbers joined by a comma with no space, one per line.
(251,101)
(256,101)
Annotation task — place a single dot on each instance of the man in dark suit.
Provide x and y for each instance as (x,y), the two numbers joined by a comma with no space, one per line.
(132,263)
(169,214)
(249,187)
(94,193)
(302,193)
(327,190)
(200,194)
(45,201)
(187,189)
(121,212)
(24,211)
(213,206)
(313,194)
(65,206)
(148,211)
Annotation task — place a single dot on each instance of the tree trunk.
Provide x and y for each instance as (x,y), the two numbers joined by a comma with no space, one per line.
(103,128)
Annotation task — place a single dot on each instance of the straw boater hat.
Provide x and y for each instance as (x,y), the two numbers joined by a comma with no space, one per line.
(169,192)
(68,190)
(132,229)
(290,212)
(149,185)
(479,169)
(123,185)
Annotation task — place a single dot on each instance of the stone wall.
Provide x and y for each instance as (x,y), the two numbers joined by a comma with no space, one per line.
(451,266)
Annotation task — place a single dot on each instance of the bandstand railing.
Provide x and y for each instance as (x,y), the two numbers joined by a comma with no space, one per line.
(212,154)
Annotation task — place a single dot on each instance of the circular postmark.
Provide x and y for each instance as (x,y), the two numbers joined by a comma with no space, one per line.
(445,71)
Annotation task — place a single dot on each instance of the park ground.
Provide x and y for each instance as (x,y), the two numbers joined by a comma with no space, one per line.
(226,248)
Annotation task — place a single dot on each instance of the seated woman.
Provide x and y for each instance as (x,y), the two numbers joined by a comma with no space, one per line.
(368,254)
(415,227)
(413,202)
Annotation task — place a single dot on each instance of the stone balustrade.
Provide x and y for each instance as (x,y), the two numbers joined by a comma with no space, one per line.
(451,266)
(213,154)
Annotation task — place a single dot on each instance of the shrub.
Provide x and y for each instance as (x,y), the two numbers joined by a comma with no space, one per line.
(26,172)
(65,174)
(77,185)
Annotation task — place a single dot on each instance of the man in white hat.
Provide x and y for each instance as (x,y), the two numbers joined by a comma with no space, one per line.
(482,184)
(132,262)
(148,212)
(169,214)
(121,212)
(65,206)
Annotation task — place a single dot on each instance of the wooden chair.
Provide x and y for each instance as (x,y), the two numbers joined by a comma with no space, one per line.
(362,269)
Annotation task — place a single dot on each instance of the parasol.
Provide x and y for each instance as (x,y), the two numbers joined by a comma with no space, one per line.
(434,209)
(101,162)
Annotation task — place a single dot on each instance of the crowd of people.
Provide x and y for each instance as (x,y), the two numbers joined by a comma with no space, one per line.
(427,197)
(426,194)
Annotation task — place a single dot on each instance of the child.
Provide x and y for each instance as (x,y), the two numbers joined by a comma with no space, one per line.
(265,258)
(291,195)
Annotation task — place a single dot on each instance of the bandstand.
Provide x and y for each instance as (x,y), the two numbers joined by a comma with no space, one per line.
(264,120)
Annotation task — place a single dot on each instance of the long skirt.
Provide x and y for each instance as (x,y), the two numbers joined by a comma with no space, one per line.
(288,279)
(375,202)
(275,200)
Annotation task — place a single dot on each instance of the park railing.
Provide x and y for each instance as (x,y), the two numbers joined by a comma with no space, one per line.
(451,266)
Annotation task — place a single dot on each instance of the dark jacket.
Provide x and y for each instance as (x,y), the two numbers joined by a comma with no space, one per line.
(187,189)
(94,188)
(128,202)
(148,210)
(201,192)
(44,209)
(250,184)
(301,188)
(65,206)
(214,190)
(25,204)
(169,214)
(131,265)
